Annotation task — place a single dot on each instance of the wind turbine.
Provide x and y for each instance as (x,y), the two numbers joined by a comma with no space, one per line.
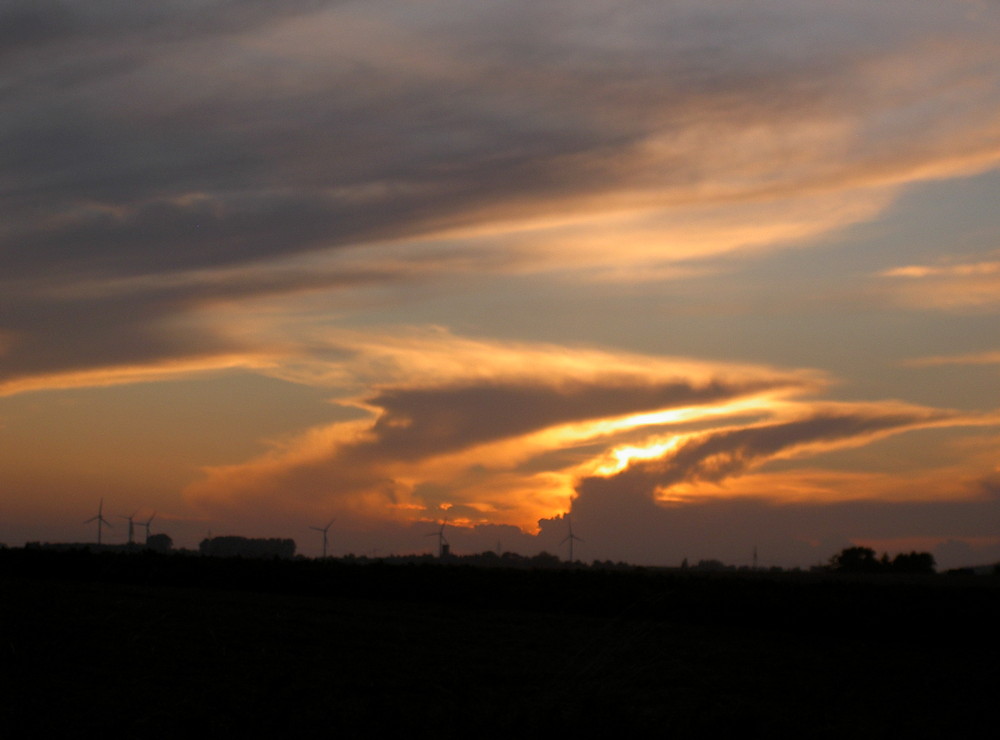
(100,521)
(570,537)
(146,525)
(131,527)
(442,542)
(324,531)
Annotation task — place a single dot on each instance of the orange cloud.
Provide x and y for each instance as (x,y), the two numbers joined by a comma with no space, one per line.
(726,452)
(949,286)
(505,433)
(101,377)
(501,429)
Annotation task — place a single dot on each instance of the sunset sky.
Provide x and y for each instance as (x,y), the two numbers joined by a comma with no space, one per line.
(713,275)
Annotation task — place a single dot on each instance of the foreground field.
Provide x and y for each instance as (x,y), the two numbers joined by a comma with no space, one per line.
(168,646)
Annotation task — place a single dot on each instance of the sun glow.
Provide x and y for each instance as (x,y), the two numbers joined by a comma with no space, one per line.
(622,457)
(758,403)
(578,432)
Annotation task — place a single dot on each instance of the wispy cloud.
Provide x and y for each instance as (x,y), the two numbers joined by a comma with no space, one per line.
(975,358)
(958,271)
(954,285)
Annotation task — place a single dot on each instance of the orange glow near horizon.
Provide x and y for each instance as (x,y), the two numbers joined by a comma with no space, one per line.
(494,482)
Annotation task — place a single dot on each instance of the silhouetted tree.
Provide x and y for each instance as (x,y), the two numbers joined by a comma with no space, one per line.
(711,564)
(248,547)
(855,560)
(863,560)
(545,560)
(159,543)
(913,562)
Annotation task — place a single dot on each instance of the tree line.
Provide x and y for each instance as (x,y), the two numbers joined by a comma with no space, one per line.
(864,560)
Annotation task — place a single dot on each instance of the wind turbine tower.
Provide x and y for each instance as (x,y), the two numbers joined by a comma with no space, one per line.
(324,530)
(101,521)
(131,527)
(442,542)
(570,537)
(146,525)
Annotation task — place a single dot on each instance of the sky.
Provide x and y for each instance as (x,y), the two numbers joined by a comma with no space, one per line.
(712,278)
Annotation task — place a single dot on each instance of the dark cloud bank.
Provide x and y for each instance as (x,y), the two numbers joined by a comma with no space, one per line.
(161,139)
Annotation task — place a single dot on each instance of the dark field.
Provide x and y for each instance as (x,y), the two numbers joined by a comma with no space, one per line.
(175,646)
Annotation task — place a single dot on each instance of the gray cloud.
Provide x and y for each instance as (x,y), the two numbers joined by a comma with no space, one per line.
(990,486)
(28,24)
(623,525)
(420,422)
(102,332)
(518,104)
(106,323)
(178,137)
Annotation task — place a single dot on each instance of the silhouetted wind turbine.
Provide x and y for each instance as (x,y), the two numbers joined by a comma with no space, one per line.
(324,531)
(100,520)
(146,525)
(131,527)
(570,537)
(442,542)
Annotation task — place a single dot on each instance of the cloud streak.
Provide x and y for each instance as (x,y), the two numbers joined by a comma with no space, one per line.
(977,358)
(958,286)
